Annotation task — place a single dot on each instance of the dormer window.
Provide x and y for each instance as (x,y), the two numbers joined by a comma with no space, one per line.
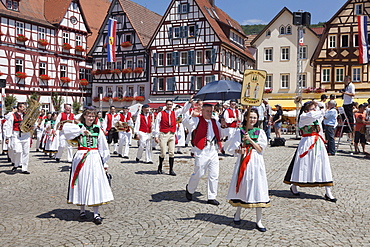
(288,30)
(358,9)
(183,8)
(268,33)
(12,5)
(282,30)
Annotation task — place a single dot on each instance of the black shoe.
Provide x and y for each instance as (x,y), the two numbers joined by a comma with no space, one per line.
(159,171)
(330,199)
(125,157)
(179,152)
(261,229)
(57,160)
(37,150)
(223,151)
(237,222)
(14,169)
(115,152)
(186,145)
(137,160)
(150,162)
(294,194)
(97,220)
(119,155)
(213,202)
(83,216)
(26,172)
(188,195)
(9,160)
(172,173)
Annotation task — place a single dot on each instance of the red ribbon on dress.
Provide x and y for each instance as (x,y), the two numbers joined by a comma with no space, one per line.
(80,164)
(243,166)
(317,135)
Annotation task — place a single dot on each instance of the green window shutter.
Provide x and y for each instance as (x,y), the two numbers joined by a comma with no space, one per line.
(192,83)
(186,34)
(190,57)
(154,84)
(155,59)
(170,33)
(213,56)
(196,30)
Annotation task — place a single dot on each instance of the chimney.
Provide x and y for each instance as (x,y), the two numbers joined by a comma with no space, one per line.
(212,2)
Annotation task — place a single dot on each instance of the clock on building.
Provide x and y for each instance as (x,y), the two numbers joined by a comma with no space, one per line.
(73,20)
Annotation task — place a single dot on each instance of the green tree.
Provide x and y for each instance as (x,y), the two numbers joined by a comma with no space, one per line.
(34,96)
(76,107)
(57,101)
(10,101)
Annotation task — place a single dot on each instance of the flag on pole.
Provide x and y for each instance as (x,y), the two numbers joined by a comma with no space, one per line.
(111,46)
(301,40)
(363,42)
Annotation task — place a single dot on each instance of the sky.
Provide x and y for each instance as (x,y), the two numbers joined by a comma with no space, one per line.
(249,12)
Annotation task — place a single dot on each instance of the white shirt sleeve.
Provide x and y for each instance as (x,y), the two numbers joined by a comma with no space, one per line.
(310,117)
(57,121)
(156,125)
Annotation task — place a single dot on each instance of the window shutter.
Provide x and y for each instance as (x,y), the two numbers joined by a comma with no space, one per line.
(155,59)
(179,9)
(186,33)
(173,84)
(154,84)
(213,56)
(192,83)
(170,33)
(213,78)
(187,7)
(176,60)
(182,32)
(191,57)
(196,30)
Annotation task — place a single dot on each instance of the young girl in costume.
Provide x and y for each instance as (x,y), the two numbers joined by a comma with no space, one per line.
(248,187)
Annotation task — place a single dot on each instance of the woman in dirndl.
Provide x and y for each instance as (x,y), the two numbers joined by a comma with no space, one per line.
(51,138)
(310,166)
(248,187)
(88,184)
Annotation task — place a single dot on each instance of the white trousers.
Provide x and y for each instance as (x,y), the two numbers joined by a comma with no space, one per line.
(123,142)
(20,146)
(145,142)
(38,138)
(62,145)
(230,132)
(206,159)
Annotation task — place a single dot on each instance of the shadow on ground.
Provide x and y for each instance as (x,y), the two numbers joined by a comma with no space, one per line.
(177,196)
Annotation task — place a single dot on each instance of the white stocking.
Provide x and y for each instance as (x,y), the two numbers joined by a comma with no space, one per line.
(328,192)
(82,209)
(115,145)
(259,217)
(294,188)
(96,211)
(237,214)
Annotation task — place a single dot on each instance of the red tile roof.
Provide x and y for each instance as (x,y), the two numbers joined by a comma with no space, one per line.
(318,30)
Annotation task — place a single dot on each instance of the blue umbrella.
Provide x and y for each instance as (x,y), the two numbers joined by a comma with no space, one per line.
(220,90)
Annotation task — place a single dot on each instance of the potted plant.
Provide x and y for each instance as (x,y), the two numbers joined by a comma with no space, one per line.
(1,73)
(116,99)
(96,72)
(129,98)
(139,98)
(21,75)
(66,46)
(106,99)
(79,48)
(126,44)
(106,71)
(43,42)
(308,90)
(96,99)
(127,71)
(138,70)
(65,79)
(319,90)
(21,38)
(84,82)
(116,71)
(44,77)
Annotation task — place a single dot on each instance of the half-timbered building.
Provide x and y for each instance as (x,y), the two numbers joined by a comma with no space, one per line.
(43,48)
(337,53)
(195,43)
(125,81)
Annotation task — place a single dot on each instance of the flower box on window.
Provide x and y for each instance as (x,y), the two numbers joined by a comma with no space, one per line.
(139,98)
(1,33)
(96,72)
(320,90)
(126,44)
(84,82)
(116,99)
(96,99)
(308,90)
(138,70)
(128,98)
(65,79)
(21,38)
(106,99)
(116,71)
(44,77)
(66,46)
(21,75)
(43,42)
(106,71)
(268,90)
(127,71)
(1,73)
(79,48)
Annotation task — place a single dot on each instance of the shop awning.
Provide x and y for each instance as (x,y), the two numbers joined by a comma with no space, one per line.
(286,104)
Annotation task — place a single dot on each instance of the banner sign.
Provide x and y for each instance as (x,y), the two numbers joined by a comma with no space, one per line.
(253,87)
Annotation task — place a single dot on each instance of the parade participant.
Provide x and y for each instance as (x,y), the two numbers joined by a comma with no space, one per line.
(248,187)
(180,133)
(88,183)
(207,142)
(51,137)
(6,149)
(143,131)
(40,128)
(18,141)
(330,123)
(310,166)
(165,128)
(64,117)
(111,119)
(100,121)
(44,132)
(124,134)
(232,118)
(196,106)
(154,144)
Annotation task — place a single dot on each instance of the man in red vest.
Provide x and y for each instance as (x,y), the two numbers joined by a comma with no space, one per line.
(143,130)
(165,128)
(232,118)
(64,117)
(18,141)
(124,136)
(111,119)
(206,141)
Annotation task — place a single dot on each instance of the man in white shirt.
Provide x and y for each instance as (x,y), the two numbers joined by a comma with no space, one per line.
(64,117)
(232,118)
(143,131)
(348,96)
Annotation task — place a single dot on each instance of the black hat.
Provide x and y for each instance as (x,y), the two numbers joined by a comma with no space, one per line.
(145,106)
(125,107)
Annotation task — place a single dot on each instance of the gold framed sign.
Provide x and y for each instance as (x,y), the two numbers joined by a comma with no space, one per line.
(253,87)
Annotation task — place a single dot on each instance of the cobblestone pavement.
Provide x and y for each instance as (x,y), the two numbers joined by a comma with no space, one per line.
(151,209)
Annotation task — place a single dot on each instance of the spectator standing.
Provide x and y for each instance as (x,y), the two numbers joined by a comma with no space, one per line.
(360,129)
(330,122)
(277,120)
(348,96)
(267,118)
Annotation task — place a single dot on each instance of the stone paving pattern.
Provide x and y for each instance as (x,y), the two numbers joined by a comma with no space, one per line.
(151,209)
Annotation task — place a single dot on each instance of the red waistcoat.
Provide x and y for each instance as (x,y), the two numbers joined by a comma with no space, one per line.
(17,120)
(200,133)
(124,118)
(165,125)
(109,121)
(64,118)
(145,126)
(232,115)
